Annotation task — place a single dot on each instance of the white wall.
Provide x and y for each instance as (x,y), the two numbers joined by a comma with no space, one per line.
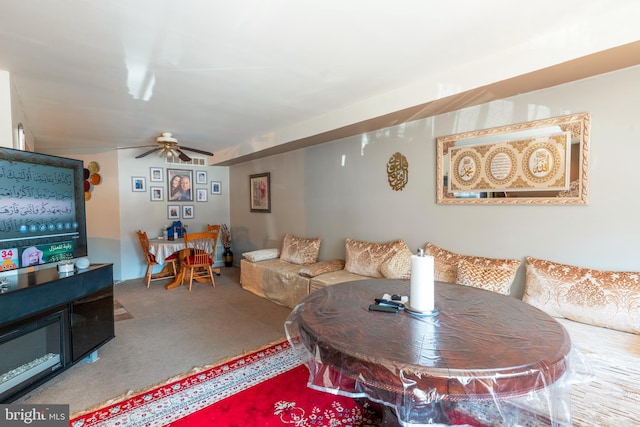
(317,193)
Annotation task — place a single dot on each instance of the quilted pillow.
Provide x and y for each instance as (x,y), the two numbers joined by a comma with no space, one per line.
(446,262)
(300,250)
(365,258)
(610,299)
(493,279)
(261,254)
(398,266)
(322,267)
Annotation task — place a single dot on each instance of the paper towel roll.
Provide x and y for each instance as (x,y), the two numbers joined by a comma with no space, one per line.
(421,297)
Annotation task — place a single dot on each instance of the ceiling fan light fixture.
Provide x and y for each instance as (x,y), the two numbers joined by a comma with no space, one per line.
(167,137)
(167,146)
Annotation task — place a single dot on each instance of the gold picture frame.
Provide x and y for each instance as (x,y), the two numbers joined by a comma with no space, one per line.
(500,161)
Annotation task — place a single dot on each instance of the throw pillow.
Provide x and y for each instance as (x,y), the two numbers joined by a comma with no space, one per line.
(322,267)
(596,297)
(446,262)
(261,254)
(398,266)
(493,279)
(364,258)
(300,250)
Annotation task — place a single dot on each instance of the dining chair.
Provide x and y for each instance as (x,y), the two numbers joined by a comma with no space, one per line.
(200,256)
(212,227)
(169,272)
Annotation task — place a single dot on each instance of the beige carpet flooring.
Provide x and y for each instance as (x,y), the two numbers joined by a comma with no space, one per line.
(170,333)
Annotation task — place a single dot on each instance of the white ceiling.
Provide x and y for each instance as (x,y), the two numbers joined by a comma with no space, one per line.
(93,75)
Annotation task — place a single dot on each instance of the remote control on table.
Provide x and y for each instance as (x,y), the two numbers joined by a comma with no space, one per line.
(389,303)
(383,308)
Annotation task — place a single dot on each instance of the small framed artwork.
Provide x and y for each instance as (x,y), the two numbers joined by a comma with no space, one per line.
(155,175)
(201,177)
(179,187)
(173,211)
(157,194)
(216,187)
(201,194)
(260,192)
(187,212)
(138,183)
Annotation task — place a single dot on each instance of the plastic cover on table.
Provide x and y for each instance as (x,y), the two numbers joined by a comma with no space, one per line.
(412,364)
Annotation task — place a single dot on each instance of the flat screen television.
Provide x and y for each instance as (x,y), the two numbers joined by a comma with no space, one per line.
(42,212)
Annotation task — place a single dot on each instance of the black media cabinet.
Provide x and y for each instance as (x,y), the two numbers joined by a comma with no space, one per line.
(50,321)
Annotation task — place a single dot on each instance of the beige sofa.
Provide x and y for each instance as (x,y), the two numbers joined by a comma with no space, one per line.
(275,280)
(286,277)
(601,312)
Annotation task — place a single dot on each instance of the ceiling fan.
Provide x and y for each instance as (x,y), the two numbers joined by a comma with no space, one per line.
(168,147)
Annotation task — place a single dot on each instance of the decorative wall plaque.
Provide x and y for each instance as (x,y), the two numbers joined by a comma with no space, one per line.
(398,171)
(526,165)
(539,162)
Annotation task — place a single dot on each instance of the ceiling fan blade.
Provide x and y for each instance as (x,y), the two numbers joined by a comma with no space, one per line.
(195,150)
(146,153)
(183,156)
(136,146)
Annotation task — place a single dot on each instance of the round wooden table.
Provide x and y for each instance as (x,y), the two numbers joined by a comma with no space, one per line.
(481,346)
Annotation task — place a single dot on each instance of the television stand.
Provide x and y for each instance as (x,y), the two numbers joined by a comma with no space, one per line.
(49,322)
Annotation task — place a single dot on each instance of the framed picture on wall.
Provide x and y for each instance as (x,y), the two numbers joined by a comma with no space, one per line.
(201,177)
(216,187)
(187,212)
(260,192)
(201,194)
(155,175)
(157,194)
(173,211)
(138,183)
(179,186)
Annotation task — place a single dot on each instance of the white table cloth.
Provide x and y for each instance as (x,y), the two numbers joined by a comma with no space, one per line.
(162,249)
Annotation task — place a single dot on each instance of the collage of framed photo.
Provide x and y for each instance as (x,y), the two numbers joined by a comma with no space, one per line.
(180,186)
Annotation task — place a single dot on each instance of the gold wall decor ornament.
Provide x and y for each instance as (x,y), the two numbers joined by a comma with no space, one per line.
(398,171)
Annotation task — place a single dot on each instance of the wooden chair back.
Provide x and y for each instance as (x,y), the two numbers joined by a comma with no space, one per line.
(149,277)
(201,247)
(144,244)
(214,228)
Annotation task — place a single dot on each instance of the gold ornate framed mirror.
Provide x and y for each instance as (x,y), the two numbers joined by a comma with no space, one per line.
(538,162)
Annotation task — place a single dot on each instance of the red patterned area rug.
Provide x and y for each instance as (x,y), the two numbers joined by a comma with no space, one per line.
(267,387)
(264,388)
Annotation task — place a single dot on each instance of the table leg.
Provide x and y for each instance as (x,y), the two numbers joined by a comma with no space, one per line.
(178,281)
(180,273)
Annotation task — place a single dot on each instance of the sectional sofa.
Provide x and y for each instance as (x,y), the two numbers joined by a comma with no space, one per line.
(599,309)
(288,276)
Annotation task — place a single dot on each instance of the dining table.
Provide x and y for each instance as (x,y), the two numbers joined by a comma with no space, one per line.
(163,248)
(480,354)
